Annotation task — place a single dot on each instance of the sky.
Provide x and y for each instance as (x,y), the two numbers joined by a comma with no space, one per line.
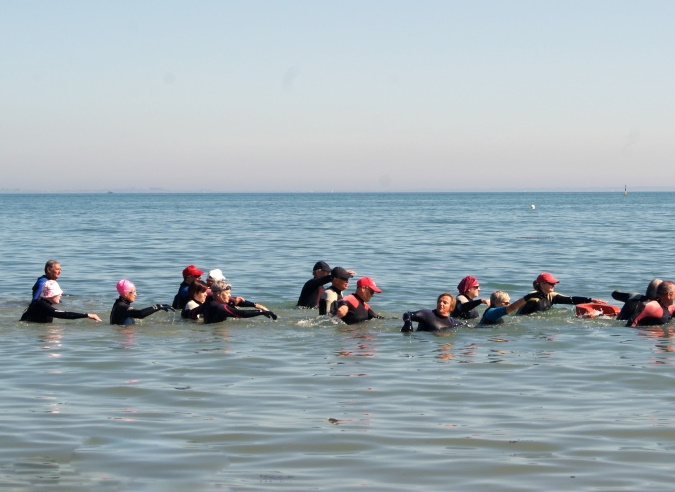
(342,96)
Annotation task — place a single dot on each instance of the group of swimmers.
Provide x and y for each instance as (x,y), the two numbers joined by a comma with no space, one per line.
(212,301)
(653,308)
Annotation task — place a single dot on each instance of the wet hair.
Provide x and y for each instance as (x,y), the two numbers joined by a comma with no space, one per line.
(498,296)
(50,264)
(219,286)
(651,288)
(665,287)
(197,287)
(453,301)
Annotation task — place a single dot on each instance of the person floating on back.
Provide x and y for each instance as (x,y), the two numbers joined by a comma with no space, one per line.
(123,314)
(634,302)
(42,309)
(660,311)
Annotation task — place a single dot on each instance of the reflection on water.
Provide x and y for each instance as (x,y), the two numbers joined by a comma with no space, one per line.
(359,342)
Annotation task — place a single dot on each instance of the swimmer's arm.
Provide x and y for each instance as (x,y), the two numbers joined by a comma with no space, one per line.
(342,311)
(514,306)
(468,306)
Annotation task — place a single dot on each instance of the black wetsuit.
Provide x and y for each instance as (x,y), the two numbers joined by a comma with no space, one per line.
(123,314)
(312,291)
(464,308)
(633,303)
(359,310)
(43,311)
(538,301)
(428,320)
(215,312)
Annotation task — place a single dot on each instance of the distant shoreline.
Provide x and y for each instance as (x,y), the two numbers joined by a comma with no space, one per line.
(453,192)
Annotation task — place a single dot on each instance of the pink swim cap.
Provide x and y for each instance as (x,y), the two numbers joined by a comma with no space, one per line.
(124,286)
(50,289)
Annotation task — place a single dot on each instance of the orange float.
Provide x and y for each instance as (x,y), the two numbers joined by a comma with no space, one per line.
(595,309)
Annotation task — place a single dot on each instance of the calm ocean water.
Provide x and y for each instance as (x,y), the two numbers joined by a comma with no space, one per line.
(548,401)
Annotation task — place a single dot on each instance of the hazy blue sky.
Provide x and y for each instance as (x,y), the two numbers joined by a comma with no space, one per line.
(336,95)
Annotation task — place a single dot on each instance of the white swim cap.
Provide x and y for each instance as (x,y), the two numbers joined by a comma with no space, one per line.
(50,289)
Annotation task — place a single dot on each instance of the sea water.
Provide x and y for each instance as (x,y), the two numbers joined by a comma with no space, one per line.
(544,402)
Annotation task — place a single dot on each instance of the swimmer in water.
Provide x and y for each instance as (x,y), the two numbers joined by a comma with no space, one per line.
(660,311)
(467,300)
(197,293)
(190,274)
(52,272)
(218,307)
(634,302)
(354,308)
(330,297)
(123,314)
(544,296)
(42,309)
(433,319)
(500,306)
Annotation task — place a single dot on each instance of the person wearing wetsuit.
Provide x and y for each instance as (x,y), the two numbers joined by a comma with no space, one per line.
(313,289)
(197,293)
(634,302)
(660,311)
(330,297)
(52,272)
(354,308)
(218,307)
(500,306)
(467,301)
(123,314)
(432,319)
(543,296)
(42,310)
(190,274)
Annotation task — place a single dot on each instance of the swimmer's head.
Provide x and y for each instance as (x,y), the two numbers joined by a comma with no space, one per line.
(214,275)
(499,298)
(125,286)
(51,289)
(548,278)
(220,286)
(192,271)
(321,266)
(368,283)
(651,288)
(468,283)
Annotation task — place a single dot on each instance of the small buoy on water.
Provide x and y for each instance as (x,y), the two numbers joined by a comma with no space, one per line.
(532,206)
